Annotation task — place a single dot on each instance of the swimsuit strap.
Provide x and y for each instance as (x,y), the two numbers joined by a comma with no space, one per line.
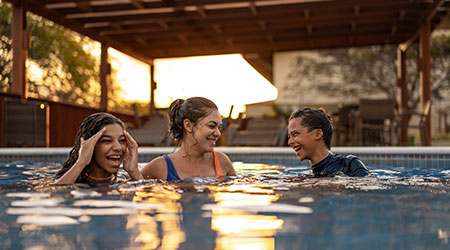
(219,174)
(172,174)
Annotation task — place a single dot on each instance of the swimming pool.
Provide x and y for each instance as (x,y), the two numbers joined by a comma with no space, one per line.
(271,205)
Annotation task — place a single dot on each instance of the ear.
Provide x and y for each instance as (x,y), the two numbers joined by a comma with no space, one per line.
(318,134)
(188,125)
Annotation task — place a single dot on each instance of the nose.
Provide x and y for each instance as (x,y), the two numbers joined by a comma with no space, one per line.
(116,146)
(290,141)
(217,132)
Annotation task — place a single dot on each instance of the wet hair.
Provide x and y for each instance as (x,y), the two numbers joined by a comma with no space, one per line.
(89,127)
(193,108)
(315,119)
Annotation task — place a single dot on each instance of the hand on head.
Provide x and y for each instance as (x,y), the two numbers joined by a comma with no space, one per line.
(130,161)
(87,147)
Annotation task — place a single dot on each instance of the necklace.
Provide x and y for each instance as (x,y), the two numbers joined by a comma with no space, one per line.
(99,179)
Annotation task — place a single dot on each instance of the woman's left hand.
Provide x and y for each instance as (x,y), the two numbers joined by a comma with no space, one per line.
(130,162)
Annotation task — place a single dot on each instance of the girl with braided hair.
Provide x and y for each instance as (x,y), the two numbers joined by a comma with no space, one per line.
(101,145)
(195,125)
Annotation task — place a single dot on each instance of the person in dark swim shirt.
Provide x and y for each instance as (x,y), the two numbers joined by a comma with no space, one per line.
(310,133)
(195,125)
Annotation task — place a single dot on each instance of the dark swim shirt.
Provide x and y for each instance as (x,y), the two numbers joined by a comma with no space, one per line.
(335,164)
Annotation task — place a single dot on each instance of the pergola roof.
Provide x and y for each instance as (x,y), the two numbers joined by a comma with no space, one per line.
(149,29)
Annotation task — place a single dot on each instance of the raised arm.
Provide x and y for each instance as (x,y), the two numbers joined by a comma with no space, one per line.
(130,162)
(84,158)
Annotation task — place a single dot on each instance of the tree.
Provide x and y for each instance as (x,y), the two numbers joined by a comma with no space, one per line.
(372,70)
(5,48)
(67,69)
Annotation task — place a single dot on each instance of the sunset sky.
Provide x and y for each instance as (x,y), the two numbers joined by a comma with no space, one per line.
(227,80)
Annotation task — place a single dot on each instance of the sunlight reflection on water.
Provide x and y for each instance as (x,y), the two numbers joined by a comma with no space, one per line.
(264,207)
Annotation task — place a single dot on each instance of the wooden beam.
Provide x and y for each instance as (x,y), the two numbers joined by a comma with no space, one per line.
(402,96)
(153,86)
(436,5)
(20,44)
(39,9)
(426,18)
(166,41)
(105,74)
(139,4)
(425,74)
(405,45)
(217,28)
(242,14)
(85,6)
(201,11)
(262,63)
(306,14)
(253,8)
(387,18)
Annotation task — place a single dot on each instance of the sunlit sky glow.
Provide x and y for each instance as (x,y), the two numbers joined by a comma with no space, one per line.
(227,80)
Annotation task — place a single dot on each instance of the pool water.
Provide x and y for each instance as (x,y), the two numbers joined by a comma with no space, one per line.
(265,207)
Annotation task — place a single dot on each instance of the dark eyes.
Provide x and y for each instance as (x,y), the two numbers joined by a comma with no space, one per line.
(293,134)
(106,140)
(214,126)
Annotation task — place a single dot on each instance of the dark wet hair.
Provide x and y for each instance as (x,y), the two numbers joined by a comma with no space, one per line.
(89,127)
(193,108)
(315,119)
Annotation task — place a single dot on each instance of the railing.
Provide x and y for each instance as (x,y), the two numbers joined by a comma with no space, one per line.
(62,124)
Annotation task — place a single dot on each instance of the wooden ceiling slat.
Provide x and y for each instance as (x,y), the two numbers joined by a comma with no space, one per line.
(249,32)
(276,40)
(277,23)
(323,43)
(151,29)
(228,15)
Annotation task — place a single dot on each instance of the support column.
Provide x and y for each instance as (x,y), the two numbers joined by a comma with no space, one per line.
(402,91)
(152,90)
(20,44)
(105,77)
(425,74)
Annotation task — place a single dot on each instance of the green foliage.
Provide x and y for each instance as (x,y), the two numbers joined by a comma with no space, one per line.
(69,70)
(361,72)
(5,48)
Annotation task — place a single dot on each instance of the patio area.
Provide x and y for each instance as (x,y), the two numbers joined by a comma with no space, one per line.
(147,30)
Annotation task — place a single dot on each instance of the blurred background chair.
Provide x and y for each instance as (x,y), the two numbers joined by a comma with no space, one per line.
(258,132)
(375,122)
(26,123)
(153,133)
(443,126)
(418,120)
(344,125)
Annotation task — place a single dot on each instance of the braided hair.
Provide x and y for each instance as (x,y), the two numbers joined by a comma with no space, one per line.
(89,127)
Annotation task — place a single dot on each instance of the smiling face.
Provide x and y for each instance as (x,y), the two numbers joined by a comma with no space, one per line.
(304,143)
(109,152)
(207,131)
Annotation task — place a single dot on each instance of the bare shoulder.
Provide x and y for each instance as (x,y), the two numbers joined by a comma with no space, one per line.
(225,163)
(155,169)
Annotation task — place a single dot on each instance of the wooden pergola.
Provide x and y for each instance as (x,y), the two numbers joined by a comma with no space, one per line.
(149,29)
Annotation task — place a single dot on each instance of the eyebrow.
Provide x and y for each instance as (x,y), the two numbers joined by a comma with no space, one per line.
(215,123)
(293,131)
(109,136)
